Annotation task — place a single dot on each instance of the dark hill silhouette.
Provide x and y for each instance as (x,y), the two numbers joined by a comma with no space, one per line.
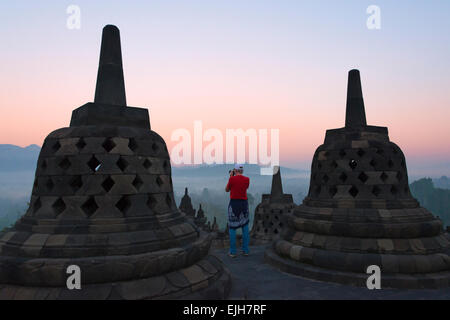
(442,182)
(434,199)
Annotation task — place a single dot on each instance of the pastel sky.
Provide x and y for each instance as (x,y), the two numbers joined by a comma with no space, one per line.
(237,64)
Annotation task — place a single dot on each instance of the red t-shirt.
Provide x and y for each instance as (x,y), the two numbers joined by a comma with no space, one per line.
(238,186)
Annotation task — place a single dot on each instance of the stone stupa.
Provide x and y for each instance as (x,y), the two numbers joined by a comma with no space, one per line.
(360,212)
(103,200)
(269,214)
(215,225)
(186,205)
(200,218)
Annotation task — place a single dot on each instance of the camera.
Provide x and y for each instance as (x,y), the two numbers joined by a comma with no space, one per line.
(232,172)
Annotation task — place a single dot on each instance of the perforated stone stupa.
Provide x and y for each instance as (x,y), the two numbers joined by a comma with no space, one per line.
(103,200)
(360,212)
(269,214)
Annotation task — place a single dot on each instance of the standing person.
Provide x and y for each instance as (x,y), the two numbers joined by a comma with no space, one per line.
(238,215)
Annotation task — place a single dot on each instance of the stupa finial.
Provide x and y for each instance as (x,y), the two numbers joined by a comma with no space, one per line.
(355,114)
(110,87)
(277,187)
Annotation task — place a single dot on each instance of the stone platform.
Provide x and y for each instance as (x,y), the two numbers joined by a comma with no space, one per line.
(254,279)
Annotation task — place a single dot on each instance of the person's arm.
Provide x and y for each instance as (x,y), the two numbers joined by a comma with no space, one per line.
(227,188)
(248,183)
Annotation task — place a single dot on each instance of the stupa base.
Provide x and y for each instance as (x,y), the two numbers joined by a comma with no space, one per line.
(206,279)
(260,241)
(400,281)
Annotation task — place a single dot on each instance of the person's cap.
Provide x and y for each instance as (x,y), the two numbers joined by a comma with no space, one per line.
(238,166)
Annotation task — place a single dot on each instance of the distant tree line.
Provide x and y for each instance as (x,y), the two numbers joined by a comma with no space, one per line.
(434,199)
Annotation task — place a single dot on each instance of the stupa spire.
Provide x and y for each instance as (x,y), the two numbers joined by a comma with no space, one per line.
(277,187)
(355,114)
(110,87)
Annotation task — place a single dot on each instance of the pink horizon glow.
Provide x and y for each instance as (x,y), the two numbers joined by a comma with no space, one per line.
(290,74)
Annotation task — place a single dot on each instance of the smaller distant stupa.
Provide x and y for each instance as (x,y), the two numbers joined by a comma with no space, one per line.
(268,220)
(200,218)
(222,237)
(215,226)
(186,205)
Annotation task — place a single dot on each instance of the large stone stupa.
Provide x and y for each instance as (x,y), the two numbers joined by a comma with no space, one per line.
(269,214)
(103,200)
(360,212)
